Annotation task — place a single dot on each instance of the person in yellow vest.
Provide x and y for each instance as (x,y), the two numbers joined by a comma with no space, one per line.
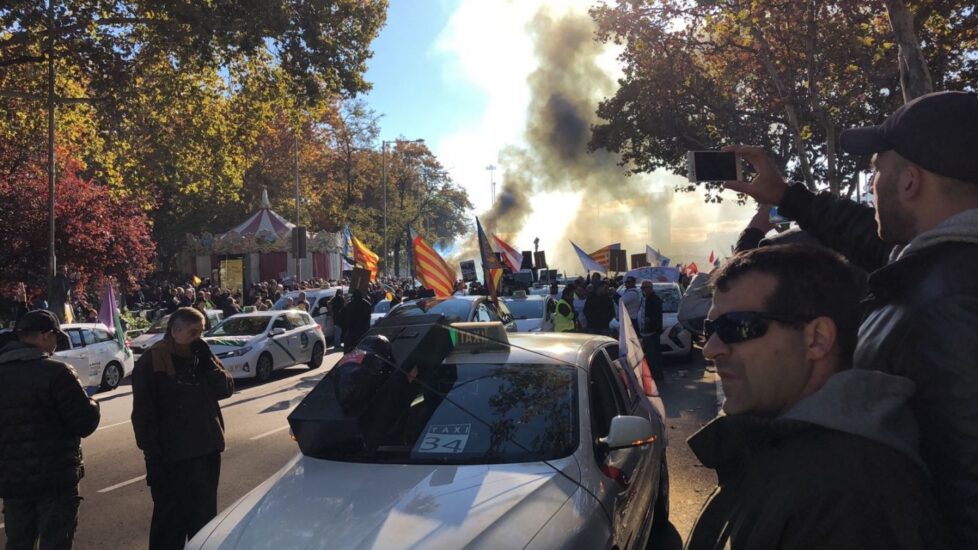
(565,318)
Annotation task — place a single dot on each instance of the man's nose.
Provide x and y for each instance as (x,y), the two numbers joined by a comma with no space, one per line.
(714,347)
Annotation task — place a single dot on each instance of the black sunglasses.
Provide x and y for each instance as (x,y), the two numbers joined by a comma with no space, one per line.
(739,326)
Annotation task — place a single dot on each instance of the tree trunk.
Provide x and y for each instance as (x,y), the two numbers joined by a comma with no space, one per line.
(915,79)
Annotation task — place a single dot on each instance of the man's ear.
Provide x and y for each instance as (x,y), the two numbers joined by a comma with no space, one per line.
(911,183)
(821,336)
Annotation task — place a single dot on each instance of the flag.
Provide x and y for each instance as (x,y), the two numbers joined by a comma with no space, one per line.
(587,261)
(712,259)
(430,268)
(347,238)
(491,266)
(630,352)
(653,257)
(364,257)
(603,256)
(691,269)
(108,315)
(196,280)
(510,255)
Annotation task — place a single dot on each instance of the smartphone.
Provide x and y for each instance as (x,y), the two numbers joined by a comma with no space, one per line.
(712,166)
(776,218)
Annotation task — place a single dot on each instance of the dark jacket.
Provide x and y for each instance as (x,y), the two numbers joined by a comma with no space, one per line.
(839,470)
(356,320)
(176,415)
(336,306)
(599,311)
(651,321)
(44,413)
(920,321)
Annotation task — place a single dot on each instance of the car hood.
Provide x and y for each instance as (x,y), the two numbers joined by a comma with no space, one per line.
(316,503)
(146,340)
(220,344)
(527,325)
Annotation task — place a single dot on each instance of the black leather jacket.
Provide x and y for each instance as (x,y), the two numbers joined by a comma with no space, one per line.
(44,412)
(920,321)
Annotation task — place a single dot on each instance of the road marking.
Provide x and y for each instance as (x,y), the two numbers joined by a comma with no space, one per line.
(276,430)
(114,425)
(123,484)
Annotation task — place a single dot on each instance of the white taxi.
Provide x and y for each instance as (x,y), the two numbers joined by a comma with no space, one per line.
(253,345)
(95,354)
(510,441)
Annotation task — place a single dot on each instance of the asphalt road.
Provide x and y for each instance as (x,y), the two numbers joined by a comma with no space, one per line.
(116,509)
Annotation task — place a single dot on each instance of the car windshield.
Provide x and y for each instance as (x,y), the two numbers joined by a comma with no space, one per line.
(158,326)
(240,326)
(453,310)
(463,414)
(526,309)
(382,306)
(670,297)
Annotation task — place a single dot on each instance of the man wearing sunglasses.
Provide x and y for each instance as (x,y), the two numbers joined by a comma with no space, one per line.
(810,453)
(921,245)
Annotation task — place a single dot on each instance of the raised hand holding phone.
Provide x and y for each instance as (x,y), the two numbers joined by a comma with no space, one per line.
(768,186)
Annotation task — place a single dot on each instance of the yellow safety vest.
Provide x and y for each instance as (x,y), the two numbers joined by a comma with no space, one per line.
(564,323)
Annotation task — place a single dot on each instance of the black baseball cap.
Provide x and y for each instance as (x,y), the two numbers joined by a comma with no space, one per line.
(40,320)
(937,131)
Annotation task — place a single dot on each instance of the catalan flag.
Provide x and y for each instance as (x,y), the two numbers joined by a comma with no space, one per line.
(430,268)
(364,257)
(491,265)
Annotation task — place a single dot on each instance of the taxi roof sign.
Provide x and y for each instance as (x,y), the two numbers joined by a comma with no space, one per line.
(479,337)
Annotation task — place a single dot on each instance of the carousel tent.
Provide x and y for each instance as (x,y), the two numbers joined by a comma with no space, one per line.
(260,249)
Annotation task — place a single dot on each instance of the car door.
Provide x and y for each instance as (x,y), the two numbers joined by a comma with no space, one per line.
(75,354)
(280,346)
(623,468)
(301,339)
(97,355)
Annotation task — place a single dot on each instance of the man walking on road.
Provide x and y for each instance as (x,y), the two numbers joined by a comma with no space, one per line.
(356,320)
(44,411)
(179,427)
(811,453)
(921,245)
(650,327)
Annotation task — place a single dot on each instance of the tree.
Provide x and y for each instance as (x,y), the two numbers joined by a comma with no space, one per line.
(97,234)
(785,75)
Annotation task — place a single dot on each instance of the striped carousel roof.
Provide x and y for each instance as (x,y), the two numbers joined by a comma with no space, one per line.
(265,219)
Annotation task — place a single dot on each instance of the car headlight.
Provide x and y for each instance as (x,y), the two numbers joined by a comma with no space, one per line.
(234,353)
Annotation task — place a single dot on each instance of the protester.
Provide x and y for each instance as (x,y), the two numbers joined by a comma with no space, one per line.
(580,300)
(178,424)
(356,320)
(565,317)
(810,453)
(336,311)
(650,327)
(43,412)
(599,309)
(633,300)
(302,303)
(921,244)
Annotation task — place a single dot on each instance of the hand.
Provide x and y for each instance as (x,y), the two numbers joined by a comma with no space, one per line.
(768,186)
(762,219)
(154,469)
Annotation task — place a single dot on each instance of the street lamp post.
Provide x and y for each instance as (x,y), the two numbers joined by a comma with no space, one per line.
(383,171)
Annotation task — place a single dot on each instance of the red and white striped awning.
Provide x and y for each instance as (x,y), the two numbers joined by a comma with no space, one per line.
(264,220)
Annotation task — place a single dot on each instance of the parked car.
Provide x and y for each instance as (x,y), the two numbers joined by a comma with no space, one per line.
(533,313)
(458,309)
(253,345)
(95,354)
(157,330)
(675,340)
(318,299)
(544,441)
(381,309)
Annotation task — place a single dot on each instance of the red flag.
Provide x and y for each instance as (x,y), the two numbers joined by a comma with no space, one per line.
(691,269)
(491,265)
(510,255)
(712,258)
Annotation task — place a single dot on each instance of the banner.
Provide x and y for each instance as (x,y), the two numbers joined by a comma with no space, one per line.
(232,274)
(468,271)
(655,274)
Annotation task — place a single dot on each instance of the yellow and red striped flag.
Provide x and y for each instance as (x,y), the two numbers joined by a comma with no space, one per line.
(364,257)
(491,265)
(603,255)
(431,269)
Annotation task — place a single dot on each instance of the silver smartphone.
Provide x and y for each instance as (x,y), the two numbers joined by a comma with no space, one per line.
(712,166)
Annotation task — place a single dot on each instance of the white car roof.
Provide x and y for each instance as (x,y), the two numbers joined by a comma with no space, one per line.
(84,325)
(527,298)
(551,348)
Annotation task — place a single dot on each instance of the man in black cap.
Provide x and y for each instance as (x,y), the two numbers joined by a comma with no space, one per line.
(921,246)
(44,413)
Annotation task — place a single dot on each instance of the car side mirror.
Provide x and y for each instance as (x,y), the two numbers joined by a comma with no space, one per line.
(628,431)
(277,331)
